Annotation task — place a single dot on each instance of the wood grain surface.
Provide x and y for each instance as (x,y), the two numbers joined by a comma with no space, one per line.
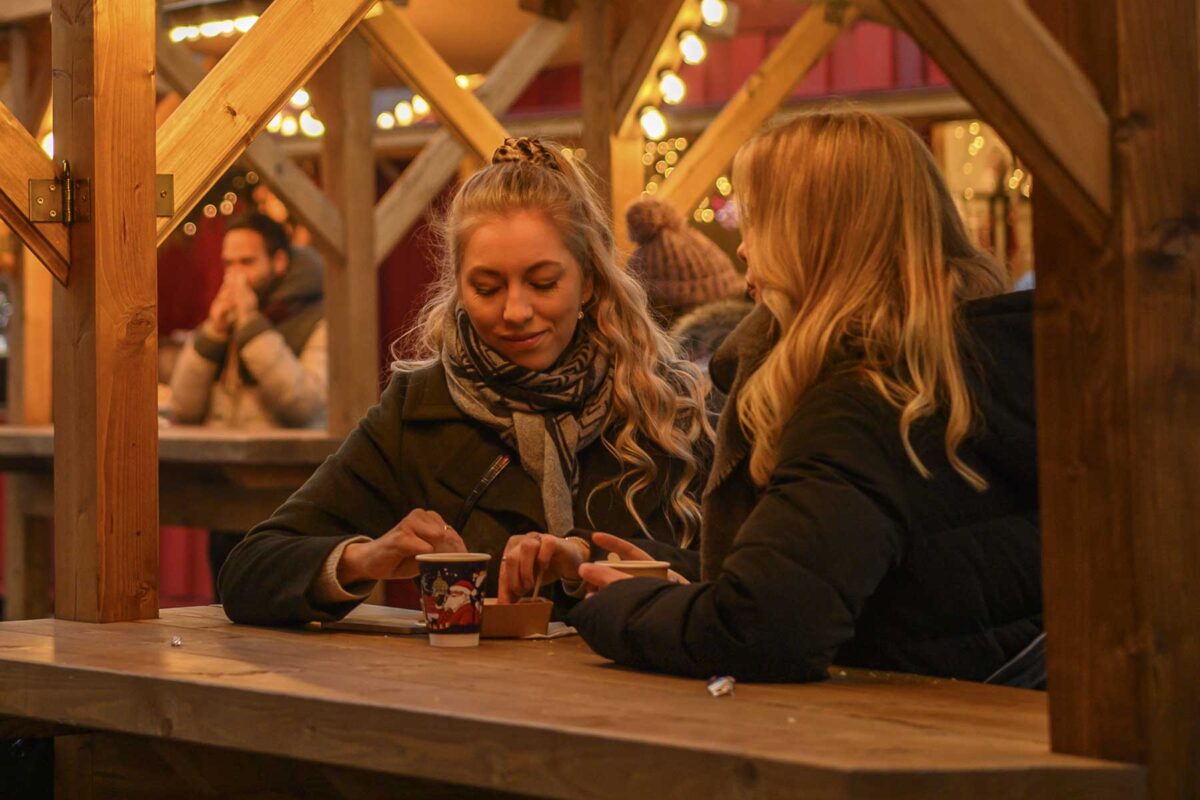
(547,718)
(188,444)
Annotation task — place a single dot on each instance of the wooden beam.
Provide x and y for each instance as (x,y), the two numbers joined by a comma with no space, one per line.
(29,331)
(1022,82)
(402,205)
(1118,362)
(14,10)
(402,47)
(303,198)
(29,64)
(795,55)
(210,129)
(24,160)
(105,322)
(643,51)
(597,21)
(343,88)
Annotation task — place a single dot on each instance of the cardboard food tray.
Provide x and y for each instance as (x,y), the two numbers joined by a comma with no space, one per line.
(515,620)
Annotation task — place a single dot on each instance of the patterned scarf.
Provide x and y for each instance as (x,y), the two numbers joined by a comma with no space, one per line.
(547,416)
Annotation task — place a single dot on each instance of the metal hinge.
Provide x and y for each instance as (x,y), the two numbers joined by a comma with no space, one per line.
(65,199)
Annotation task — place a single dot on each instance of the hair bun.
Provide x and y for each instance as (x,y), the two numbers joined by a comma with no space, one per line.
(648,217)
(524,149)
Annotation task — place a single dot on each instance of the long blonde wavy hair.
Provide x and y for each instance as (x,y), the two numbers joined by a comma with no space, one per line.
(861,257)
(658,397)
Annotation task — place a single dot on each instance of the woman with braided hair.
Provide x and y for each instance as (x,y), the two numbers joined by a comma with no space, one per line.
(534,402)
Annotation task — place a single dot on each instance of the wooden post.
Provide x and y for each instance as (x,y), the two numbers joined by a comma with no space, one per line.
(29,329)
(27,568)
(615,159)
(342,92)
(106,437)
(1118,371)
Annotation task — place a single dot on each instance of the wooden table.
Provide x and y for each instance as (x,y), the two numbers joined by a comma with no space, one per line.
(339,712)
(208,478)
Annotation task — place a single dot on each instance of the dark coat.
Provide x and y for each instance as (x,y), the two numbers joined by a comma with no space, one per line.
(850,555)
(415,449)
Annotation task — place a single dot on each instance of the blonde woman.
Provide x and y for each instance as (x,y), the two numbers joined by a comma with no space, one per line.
(542,403)
(873,499)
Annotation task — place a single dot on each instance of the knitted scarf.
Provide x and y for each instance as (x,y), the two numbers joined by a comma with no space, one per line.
(547,416)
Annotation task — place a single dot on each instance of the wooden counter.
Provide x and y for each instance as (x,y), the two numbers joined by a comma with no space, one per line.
(546,718)
(208,478)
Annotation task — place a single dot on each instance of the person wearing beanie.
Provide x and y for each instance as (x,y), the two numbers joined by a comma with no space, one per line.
(681,268)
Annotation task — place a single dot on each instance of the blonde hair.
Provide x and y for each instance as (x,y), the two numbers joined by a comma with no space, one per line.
(860,255)
(658,397)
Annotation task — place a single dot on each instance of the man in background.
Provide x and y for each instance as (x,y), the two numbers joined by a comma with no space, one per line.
(260,358)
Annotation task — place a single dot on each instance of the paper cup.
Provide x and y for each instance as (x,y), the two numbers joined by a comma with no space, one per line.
(641,569)
(452,596)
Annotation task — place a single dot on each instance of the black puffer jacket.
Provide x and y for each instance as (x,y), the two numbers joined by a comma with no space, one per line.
(849,555)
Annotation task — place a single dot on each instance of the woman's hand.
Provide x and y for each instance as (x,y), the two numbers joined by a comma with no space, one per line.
(394,555)
(626,550)
(533,559)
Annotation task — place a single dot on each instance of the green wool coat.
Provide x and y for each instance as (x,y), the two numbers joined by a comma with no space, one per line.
(415,449)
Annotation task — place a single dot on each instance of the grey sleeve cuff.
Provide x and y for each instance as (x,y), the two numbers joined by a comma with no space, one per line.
(209,347)
(253,326)
(327,589)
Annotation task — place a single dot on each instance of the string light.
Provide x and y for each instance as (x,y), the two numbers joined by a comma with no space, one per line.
(714,12)
(48,144)
(654,124)
(671,86)
(300,99)
(184,33)
(462,80)
(419,105)
(692,48)
(385,121)
(212,29)
(310,126)
(404,114)
(289,126)
(276,121)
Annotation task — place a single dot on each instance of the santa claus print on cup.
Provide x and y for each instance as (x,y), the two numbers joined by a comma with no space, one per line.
(452,596)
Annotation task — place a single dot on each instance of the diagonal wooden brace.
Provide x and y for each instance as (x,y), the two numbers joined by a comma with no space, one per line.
(1029,89)
(302,197)
(217,121)
(24,161)
(402,47)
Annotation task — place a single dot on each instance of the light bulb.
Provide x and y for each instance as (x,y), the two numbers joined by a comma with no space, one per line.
(692,47)
(48,144)
(714,12)
(463,81)
(671,86)
(385,121)
(276,121)
(419,105)
(289,126)
(310,126)
(300,99)
(404,113)
(654,124)
(243,24)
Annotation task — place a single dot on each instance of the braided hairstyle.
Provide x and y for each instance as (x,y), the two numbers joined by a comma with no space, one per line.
(658,396)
